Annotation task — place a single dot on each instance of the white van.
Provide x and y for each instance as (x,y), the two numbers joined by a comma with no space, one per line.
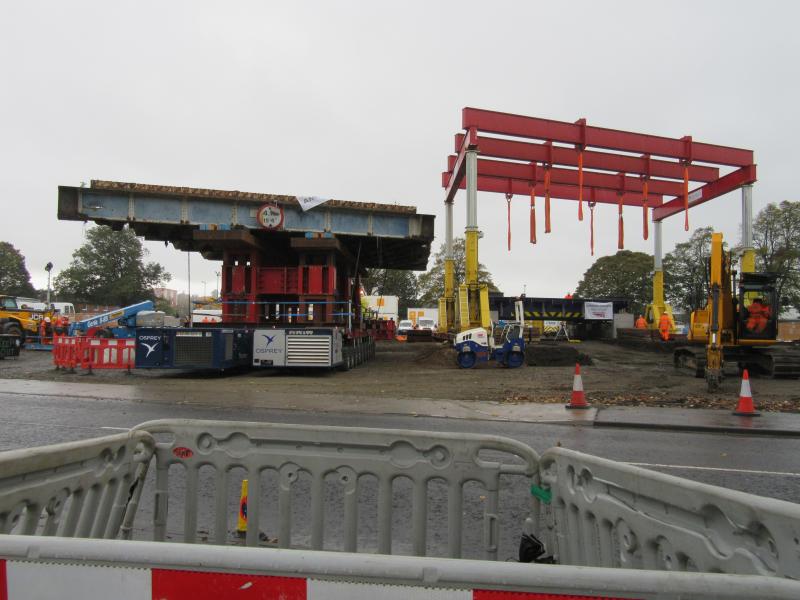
(65,308)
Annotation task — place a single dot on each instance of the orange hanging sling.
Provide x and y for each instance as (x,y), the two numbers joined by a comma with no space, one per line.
(508,204)
(547,199)
(580,185)
(645,224)
(686,196)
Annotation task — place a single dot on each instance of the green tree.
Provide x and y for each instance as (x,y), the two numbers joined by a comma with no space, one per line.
(776,237)
(109,268)
(14,277)
(687,271)
(625,274)
(431,283)
(393,282)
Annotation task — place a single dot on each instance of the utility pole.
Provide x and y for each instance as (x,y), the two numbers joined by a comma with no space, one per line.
(189,277)
(48,267)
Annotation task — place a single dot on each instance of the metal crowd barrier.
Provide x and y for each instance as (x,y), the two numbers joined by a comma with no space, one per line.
(348,453)
(609,514)
(75,489)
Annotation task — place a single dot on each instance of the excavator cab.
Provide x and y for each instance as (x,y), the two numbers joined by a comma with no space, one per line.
(758,308)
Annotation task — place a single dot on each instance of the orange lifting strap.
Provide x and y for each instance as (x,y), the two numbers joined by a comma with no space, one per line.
(686,196)
(621,226)
(645,225)
(591,226)
(508,204)
(547,199)
(580,185)
(533,214)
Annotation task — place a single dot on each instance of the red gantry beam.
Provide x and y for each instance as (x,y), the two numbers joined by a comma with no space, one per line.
(576,170)
(604,161)
(581,134)
(560,191)
(723,185)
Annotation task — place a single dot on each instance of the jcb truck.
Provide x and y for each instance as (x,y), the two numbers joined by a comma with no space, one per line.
(20,318)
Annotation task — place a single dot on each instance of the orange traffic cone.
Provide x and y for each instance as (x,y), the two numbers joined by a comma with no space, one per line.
(578,398)
(745,407)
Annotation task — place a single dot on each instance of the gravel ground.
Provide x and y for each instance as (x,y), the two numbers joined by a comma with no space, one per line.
(618,377)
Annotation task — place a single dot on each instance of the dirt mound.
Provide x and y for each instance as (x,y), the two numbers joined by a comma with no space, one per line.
(554,354)
(439,354)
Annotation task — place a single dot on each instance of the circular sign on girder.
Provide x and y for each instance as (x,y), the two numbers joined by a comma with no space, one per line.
(270,216)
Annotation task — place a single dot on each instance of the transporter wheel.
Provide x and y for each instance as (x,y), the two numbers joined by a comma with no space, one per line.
(466,360)
(345,366)
(12,328)
(515,360)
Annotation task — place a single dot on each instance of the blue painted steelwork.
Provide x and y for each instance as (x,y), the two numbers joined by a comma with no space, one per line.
(222,214)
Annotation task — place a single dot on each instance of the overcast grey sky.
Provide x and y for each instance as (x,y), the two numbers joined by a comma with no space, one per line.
(360,101)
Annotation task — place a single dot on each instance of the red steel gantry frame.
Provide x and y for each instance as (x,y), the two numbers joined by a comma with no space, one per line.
(576,161)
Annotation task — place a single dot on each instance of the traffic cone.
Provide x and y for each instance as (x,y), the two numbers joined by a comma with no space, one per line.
(745,407)
(578,398)
(241,521)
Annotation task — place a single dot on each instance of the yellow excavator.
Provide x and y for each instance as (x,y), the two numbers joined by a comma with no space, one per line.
(739,328)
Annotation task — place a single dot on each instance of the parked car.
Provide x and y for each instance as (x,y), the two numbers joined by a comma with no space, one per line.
(404,326)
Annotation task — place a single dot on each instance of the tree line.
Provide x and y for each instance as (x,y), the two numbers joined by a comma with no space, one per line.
(776,238)
(111,268)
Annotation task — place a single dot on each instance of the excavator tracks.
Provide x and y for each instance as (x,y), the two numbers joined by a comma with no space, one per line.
(780,361)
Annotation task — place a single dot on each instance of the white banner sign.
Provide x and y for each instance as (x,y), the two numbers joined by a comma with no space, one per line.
(309,202)
(598,311)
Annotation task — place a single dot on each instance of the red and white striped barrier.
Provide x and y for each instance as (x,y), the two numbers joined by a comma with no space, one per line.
(24,580)
(94,353)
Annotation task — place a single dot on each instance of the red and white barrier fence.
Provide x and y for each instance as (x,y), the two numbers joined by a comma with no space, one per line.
(23,580)
(94,353)
(34,567)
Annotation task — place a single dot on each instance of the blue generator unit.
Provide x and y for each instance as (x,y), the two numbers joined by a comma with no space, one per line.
(166,348)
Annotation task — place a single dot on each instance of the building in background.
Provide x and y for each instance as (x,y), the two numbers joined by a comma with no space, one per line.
(167,294)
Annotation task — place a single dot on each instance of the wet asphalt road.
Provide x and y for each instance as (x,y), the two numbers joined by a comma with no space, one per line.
(768,466)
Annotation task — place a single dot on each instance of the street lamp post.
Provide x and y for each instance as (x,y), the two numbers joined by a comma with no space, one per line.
(48,267)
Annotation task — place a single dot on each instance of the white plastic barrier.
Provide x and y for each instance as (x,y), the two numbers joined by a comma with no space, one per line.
(609,514)
(344,454)
(616,531)
(33,568)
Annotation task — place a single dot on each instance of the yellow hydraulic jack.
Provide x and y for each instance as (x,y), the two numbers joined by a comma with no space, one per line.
(469,308)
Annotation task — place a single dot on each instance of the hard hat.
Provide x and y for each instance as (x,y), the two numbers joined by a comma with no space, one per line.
(47,319)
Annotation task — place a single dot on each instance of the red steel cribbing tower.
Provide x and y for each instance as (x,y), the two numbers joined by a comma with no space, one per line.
(550,159)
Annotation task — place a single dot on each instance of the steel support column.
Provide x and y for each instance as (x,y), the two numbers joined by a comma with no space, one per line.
(748,252)
(658,269)
(449,270)
(471,230)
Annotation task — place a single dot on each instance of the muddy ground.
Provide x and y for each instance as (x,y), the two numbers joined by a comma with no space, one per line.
(618,376)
